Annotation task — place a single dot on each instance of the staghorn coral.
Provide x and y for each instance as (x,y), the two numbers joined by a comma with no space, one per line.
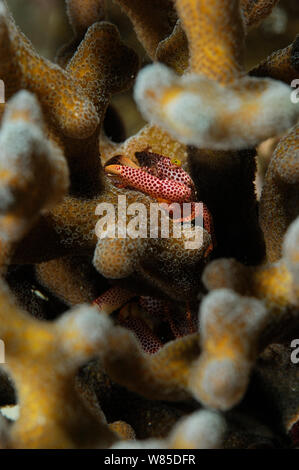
(201,430)
(282,65)
(28,162)
(255,11)
(218,377)
(173,51)
(60,231)
(63,233)
(277,378)
(233,330)
(245,110)
(216,60)
(82,14)
(44,374)
(164,180)
(229,328)
(71,103)
(72,279)
(279,200)
(153,21)
(276,284)
(55,160)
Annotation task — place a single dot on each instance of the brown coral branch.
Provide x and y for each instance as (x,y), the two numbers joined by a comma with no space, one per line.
(82,14)
(73,108)
(153,20)
(279,201)
(34,173)
(281,65)
(43,359)
(173,51)
(255,11)
(222,58)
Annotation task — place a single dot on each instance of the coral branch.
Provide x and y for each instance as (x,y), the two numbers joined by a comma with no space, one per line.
(43,359)
(80,223)
(153,21)
(34,173)
(173,51)
(83,14)
(279,201)
(215,105)
(256,11)
(72,279)
(216,34)
(230,328)
(281,65)
(201,430)
(276,285)
(201,112)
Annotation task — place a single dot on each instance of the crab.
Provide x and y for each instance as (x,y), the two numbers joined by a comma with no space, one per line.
(156,175)
(166,181)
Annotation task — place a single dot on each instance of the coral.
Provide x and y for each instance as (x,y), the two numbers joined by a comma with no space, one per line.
(73,279)
(230,328)
(43,359)
(132,318)
(201,430)
(176,372)
(235,325)
(165,262)
(173,51)
(281,65)
(276,379)
(153,21)
(255,11)
(70,226)
(123,429)
(66,108)
(276,284)
(245,110)
(279,200)
(164,180)
(164,336)
(150,138)
(29,162)
(70,99)
(276,287)
(82,14)
(183,107)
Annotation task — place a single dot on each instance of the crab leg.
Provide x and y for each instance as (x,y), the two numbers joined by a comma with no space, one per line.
(131,317)
(113,299)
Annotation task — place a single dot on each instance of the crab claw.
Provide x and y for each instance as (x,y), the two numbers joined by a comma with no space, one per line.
(114,170)
(137,178)
(113,299)
(121,160)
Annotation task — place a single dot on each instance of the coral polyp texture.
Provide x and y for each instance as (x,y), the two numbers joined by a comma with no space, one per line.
(128,321)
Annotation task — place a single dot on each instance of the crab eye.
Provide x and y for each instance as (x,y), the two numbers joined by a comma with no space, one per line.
(176,162)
